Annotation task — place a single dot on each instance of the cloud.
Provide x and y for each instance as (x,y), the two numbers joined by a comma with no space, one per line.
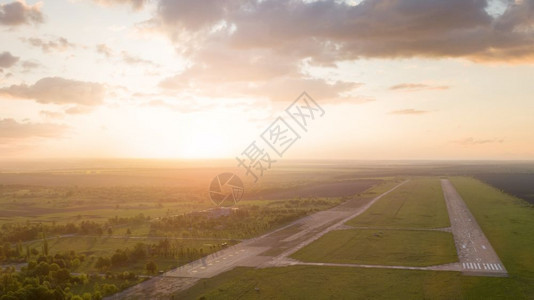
(104,50)
(60,44)
(30,65)
(7,60)
(125,56)
(412,87)
(276,88)
(58,90)
(136,4)
(19,13)
(78,109)
(470,141)
(257,48)
(335,30)
(11,129)
(134,60)
(409,111)
(51,114)
(285,89)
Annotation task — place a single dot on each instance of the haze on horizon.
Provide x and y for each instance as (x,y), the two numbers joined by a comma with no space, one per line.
(398,79)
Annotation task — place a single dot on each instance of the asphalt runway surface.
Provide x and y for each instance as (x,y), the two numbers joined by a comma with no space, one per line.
(475,252)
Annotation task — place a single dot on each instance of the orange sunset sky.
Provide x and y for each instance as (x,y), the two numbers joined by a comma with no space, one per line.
(397,79)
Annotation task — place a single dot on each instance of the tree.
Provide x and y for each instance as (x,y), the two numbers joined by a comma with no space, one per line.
(45,247)
(119,258)
(139,251)
(108,289)
(102,263)
(151,267)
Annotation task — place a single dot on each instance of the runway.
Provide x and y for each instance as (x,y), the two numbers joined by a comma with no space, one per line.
(476,255)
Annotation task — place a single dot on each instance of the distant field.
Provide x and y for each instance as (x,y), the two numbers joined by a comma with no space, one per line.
(520,185)
(332,189)
(381,247)
(419,203)
(64,204)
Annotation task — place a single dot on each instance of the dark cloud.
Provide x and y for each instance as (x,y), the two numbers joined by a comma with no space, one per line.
(58,90)
(7,60)
(19,13)
(262,47)
(409,111)
(59,44)
(11,129)
(418,87)
(334,30)
(194,15)
(240,48)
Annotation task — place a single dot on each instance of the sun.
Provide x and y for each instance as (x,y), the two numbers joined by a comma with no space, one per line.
(162,134)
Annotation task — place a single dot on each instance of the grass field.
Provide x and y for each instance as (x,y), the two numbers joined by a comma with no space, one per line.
(306,282)
(309,282)
(381,247)
(516,184)
(418,203)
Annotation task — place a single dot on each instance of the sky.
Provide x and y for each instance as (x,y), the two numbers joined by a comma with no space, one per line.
(396,79)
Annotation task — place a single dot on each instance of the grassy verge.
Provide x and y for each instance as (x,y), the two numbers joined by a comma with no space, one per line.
(417,203)
(381,247)
(306,282)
